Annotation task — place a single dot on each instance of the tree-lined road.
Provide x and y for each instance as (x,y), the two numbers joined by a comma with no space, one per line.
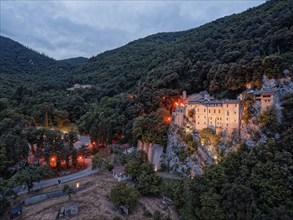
(54,181)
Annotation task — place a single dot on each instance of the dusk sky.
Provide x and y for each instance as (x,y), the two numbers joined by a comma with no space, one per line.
(64,29)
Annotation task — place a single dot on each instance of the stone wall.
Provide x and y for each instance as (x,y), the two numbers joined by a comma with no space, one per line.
(154,152)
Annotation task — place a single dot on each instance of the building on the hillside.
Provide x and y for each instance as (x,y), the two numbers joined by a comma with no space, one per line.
(126,148)
(154,152)
(82,140)
(178,116)
(265,97)
(203,111)
(120,174)
(79,86)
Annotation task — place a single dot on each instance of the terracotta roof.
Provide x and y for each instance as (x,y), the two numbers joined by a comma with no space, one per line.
(119,170)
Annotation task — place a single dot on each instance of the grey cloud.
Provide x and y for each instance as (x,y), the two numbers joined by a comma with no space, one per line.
(63,29)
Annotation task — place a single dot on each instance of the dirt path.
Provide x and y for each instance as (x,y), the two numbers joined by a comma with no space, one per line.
(92,202)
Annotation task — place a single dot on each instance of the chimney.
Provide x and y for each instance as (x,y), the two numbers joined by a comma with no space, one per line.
(184,95)
(207,97)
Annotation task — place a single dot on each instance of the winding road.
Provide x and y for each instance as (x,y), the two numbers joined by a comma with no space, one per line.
(54,181)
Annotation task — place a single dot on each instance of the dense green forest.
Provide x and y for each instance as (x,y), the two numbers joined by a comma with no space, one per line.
(252,183)
(133,91)
(221,56)
(148,74)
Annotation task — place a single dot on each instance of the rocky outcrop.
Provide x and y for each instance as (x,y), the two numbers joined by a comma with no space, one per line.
(190,165)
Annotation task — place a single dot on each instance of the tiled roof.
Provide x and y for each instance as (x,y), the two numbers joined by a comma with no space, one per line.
(125,146)
(119,170)
(235,101)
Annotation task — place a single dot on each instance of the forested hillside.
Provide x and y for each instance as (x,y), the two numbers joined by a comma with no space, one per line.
(75,60)
(221,56)
(132,94)
(252,183)
(20,65)
(137,84)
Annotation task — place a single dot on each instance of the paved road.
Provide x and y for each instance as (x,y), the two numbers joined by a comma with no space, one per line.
(54,181)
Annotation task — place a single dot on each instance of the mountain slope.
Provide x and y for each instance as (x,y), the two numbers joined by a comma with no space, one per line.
(148,74)
(18,59)
(75,60)
(20,65)
(200,58)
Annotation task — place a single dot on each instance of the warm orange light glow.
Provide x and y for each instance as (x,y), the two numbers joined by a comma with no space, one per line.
(156,168)
(94,143)
(176,103)
(80,157)
(53,160)
(167,119)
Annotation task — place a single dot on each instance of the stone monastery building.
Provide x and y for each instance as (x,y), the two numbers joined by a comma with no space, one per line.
(203,111)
